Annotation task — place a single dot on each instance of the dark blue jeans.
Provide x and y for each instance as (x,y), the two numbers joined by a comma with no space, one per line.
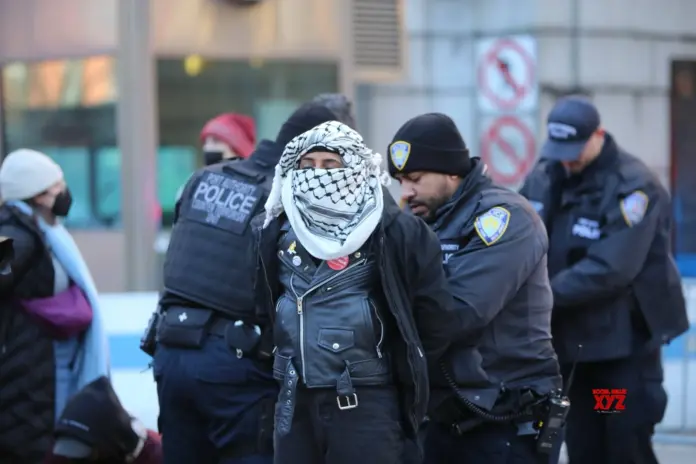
(214,407)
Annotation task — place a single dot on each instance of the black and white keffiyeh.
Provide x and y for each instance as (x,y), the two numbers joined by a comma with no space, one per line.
(332,211)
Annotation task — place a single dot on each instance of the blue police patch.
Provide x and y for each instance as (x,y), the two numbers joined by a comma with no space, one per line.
(224,202)
(398,154)
(491,225)
(633,207)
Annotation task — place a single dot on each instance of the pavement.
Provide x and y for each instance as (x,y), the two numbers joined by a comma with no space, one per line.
(667,453)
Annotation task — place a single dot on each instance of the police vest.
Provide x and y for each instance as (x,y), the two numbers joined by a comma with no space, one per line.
(211,259)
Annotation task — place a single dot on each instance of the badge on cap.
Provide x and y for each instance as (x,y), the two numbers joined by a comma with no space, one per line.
(491,225)
(633,207)
(398,153)
(338,264)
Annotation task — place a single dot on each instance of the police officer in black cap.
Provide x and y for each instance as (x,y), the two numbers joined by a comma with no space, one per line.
(211,364)
(495,381)
(616,289)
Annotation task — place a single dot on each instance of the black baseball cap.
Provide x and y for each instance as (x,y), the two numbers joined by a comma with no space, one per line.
(570,125)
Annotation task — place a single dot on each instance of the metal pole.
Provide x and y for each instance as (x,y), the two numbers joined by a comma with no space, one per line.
(137,138)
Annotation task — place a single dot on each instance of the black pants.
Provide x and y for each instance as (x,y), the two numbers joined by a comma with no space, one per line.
(214,407)
(321,433)
(489,443)
(622,437)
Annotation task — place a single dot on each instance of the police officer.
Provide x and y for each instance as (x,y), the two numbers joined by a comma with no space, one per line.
(214,382)
(494,254)
(616,289)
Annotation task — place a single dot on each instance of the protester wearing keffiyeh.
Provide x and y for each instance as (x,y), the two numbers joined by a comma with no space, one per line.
(332,211)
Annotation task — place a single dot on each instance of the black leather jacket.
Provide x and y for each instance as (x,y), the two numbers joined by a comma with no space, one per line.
(330,322)
(415,293)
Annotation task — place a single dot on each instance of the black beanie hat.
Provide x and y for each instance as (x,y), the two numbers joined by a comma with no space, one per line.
(306,117)
(429,142)
(95,418)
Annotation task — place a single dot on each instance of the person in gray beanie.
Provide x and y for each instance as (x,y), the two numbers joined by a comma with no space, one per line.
(51,335)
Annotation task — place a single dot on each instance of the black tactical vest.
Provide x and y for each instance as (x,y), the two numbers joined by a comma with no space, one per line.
(211,260)
(330,319)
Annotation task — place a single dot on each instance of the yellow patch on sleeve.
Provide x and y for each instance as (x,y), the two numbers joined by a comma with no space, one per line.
(491,225)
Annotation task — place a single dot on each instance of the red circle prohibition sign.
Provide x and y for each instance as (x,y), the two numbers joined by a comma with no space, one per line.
(493,138)
(492,60)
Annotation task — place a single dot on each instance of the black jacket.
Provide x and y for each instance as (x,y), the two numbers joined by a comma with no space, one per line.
(614,281)
(495,252)
(27,364)
(416,292)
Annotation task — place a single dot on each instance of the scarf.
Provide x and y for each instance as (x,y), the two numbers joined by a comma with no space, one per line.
(92,359)
(332,211)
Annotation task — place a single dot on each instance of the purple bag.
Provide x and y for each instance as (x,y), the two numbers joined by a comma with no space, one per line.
(63,315)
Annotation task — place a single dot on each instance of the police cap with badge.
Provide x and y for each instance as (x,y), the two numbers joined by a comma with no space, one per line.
(570,124)
(430,142)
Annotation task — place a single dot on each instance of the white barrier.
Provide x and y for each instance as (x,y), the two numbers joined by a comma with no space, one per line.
(127,314)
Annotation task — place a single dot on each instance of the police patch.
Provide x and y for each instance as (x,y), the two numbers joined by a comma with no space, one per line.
(398,153)
(492,224)
(224,202)
(633,207)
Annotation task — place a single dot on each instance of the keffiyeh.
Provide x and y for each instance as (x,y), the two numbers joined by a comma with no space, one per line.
(332,211)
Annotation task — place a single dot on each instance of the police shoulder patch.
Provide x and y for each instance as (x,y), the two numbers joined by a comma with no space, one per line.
(491,225)
(399,152)
(633,207)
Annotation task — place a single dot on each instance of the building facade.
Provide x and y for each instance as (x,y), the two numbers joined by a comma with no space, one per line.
(117,91)
(635,59)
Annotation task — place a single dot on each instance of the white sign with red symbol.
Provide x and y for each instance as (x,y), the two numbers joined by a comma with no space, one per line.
(508,148)
(506,74)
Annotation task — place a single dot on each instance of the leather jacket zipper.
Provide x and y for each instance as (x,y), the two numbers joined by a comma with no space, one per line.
(300,310)
(381,330)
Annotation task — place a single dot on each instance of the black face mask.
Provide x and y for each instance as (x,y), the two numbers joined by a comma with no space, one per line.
(61,207)
(212,157)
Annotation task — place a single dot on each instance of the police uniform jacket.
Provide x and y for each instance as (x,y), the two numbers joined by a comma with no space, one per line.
(615,284)
(210,261)
(494,248)
(415,294)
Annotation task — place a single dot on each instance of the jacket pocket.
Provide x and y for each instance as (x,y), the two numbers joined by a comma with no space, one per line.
(336,340)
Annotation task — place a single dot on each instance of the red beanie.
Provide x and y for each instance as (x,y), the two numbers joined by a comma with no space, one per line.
(236,130)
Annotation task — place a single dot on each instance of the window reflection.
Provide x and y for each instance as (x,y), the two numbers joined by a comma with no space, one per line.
(67,109)
(267,91)
(684,163)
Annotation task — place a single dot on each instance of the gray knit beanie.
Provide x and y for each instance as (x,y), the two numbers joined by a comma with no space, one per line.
(26,173)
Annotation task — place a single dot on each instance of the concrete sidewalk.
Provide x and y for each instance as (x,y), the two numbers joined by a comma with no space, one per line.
(666,454)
